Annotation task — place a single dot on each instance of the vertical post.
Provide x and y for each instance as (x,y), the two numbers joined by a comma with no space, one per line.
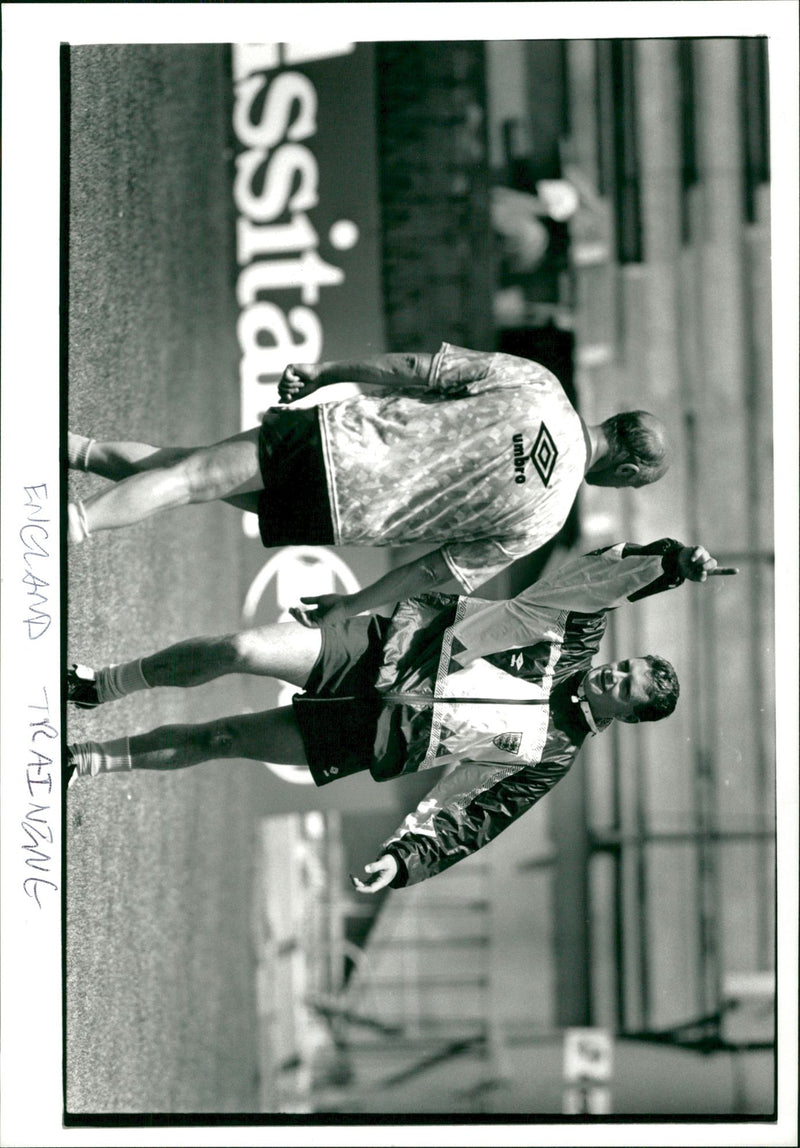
(630,247)
(689,167)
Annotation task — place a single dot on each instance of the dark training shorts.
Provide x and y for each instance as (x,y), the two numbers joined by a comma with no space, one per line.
(338,712)
(293,507)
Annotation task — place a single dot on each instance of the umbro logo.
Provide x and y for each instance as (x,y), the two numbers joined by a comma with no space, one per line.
(543,456)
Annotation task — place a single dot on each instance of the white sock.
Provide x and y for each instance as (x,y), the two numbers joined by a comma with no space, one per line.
(95,757)
(76,522)
(78,448)
(117,681)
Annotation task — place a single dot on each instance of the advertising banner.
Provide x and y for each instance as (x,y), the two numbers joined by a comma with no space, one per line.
(308,288)
(306,197)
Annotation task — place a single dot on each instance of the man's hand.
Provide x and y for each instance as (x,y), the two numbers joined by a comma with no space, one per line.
(384,870)
(322,608)
(298,380)
(696,564)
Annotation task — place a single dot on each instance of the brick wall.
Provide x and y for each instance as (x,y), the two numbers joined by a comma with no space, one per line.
(437,254)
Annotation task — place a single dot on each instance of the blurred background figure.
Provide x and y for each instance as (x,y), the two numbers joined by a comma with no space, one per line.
(520,219)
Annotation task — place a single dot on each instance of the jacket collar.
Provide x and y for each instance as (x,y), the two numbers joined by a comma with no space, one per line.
(578,697)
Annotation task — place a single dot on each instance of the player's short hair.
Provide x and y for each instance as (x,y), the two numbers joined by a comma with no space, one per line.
(638,436)
(663,690)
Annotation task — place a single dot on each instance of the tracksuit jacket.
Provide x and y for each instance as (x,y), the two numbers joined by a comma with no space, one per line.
(503,756)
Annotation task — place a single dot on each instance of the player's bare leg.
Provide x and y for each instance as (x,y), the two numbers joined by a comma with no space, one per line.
(119,460)
(227,469)
(284,650)
(269,736)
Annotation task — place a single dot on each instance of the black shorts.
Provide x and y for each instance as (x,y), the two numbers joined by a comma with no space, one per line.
(338,712)
(294,506)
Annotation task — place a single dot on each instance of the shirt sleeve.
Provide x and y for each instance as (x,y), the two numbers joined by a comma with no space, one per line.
(589,584)
(457,370)
(466,810)
(473,563)
(604,579)
(454,368)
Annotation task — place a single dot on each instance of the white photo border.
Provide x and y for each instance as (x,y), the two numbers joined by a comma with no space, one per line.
(31,937)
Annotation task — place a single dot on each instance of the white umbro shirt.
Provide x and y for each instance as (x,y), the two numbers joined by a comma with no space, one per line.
(486,459)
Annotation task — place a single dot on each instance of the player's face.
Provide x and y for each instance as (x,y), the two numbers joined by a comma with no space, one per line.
(617,689)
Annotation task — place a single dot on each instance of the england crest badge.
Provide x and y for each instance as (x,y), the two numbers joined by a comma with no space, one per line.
(508,742)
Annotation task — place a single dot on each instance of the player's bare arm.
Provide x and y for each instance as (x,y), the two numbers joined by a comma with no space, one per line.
(417,577)
(392,370)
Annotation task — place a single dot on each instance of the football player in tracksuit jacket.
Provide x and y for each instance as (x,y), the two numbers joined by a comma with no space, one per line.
(501,693)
